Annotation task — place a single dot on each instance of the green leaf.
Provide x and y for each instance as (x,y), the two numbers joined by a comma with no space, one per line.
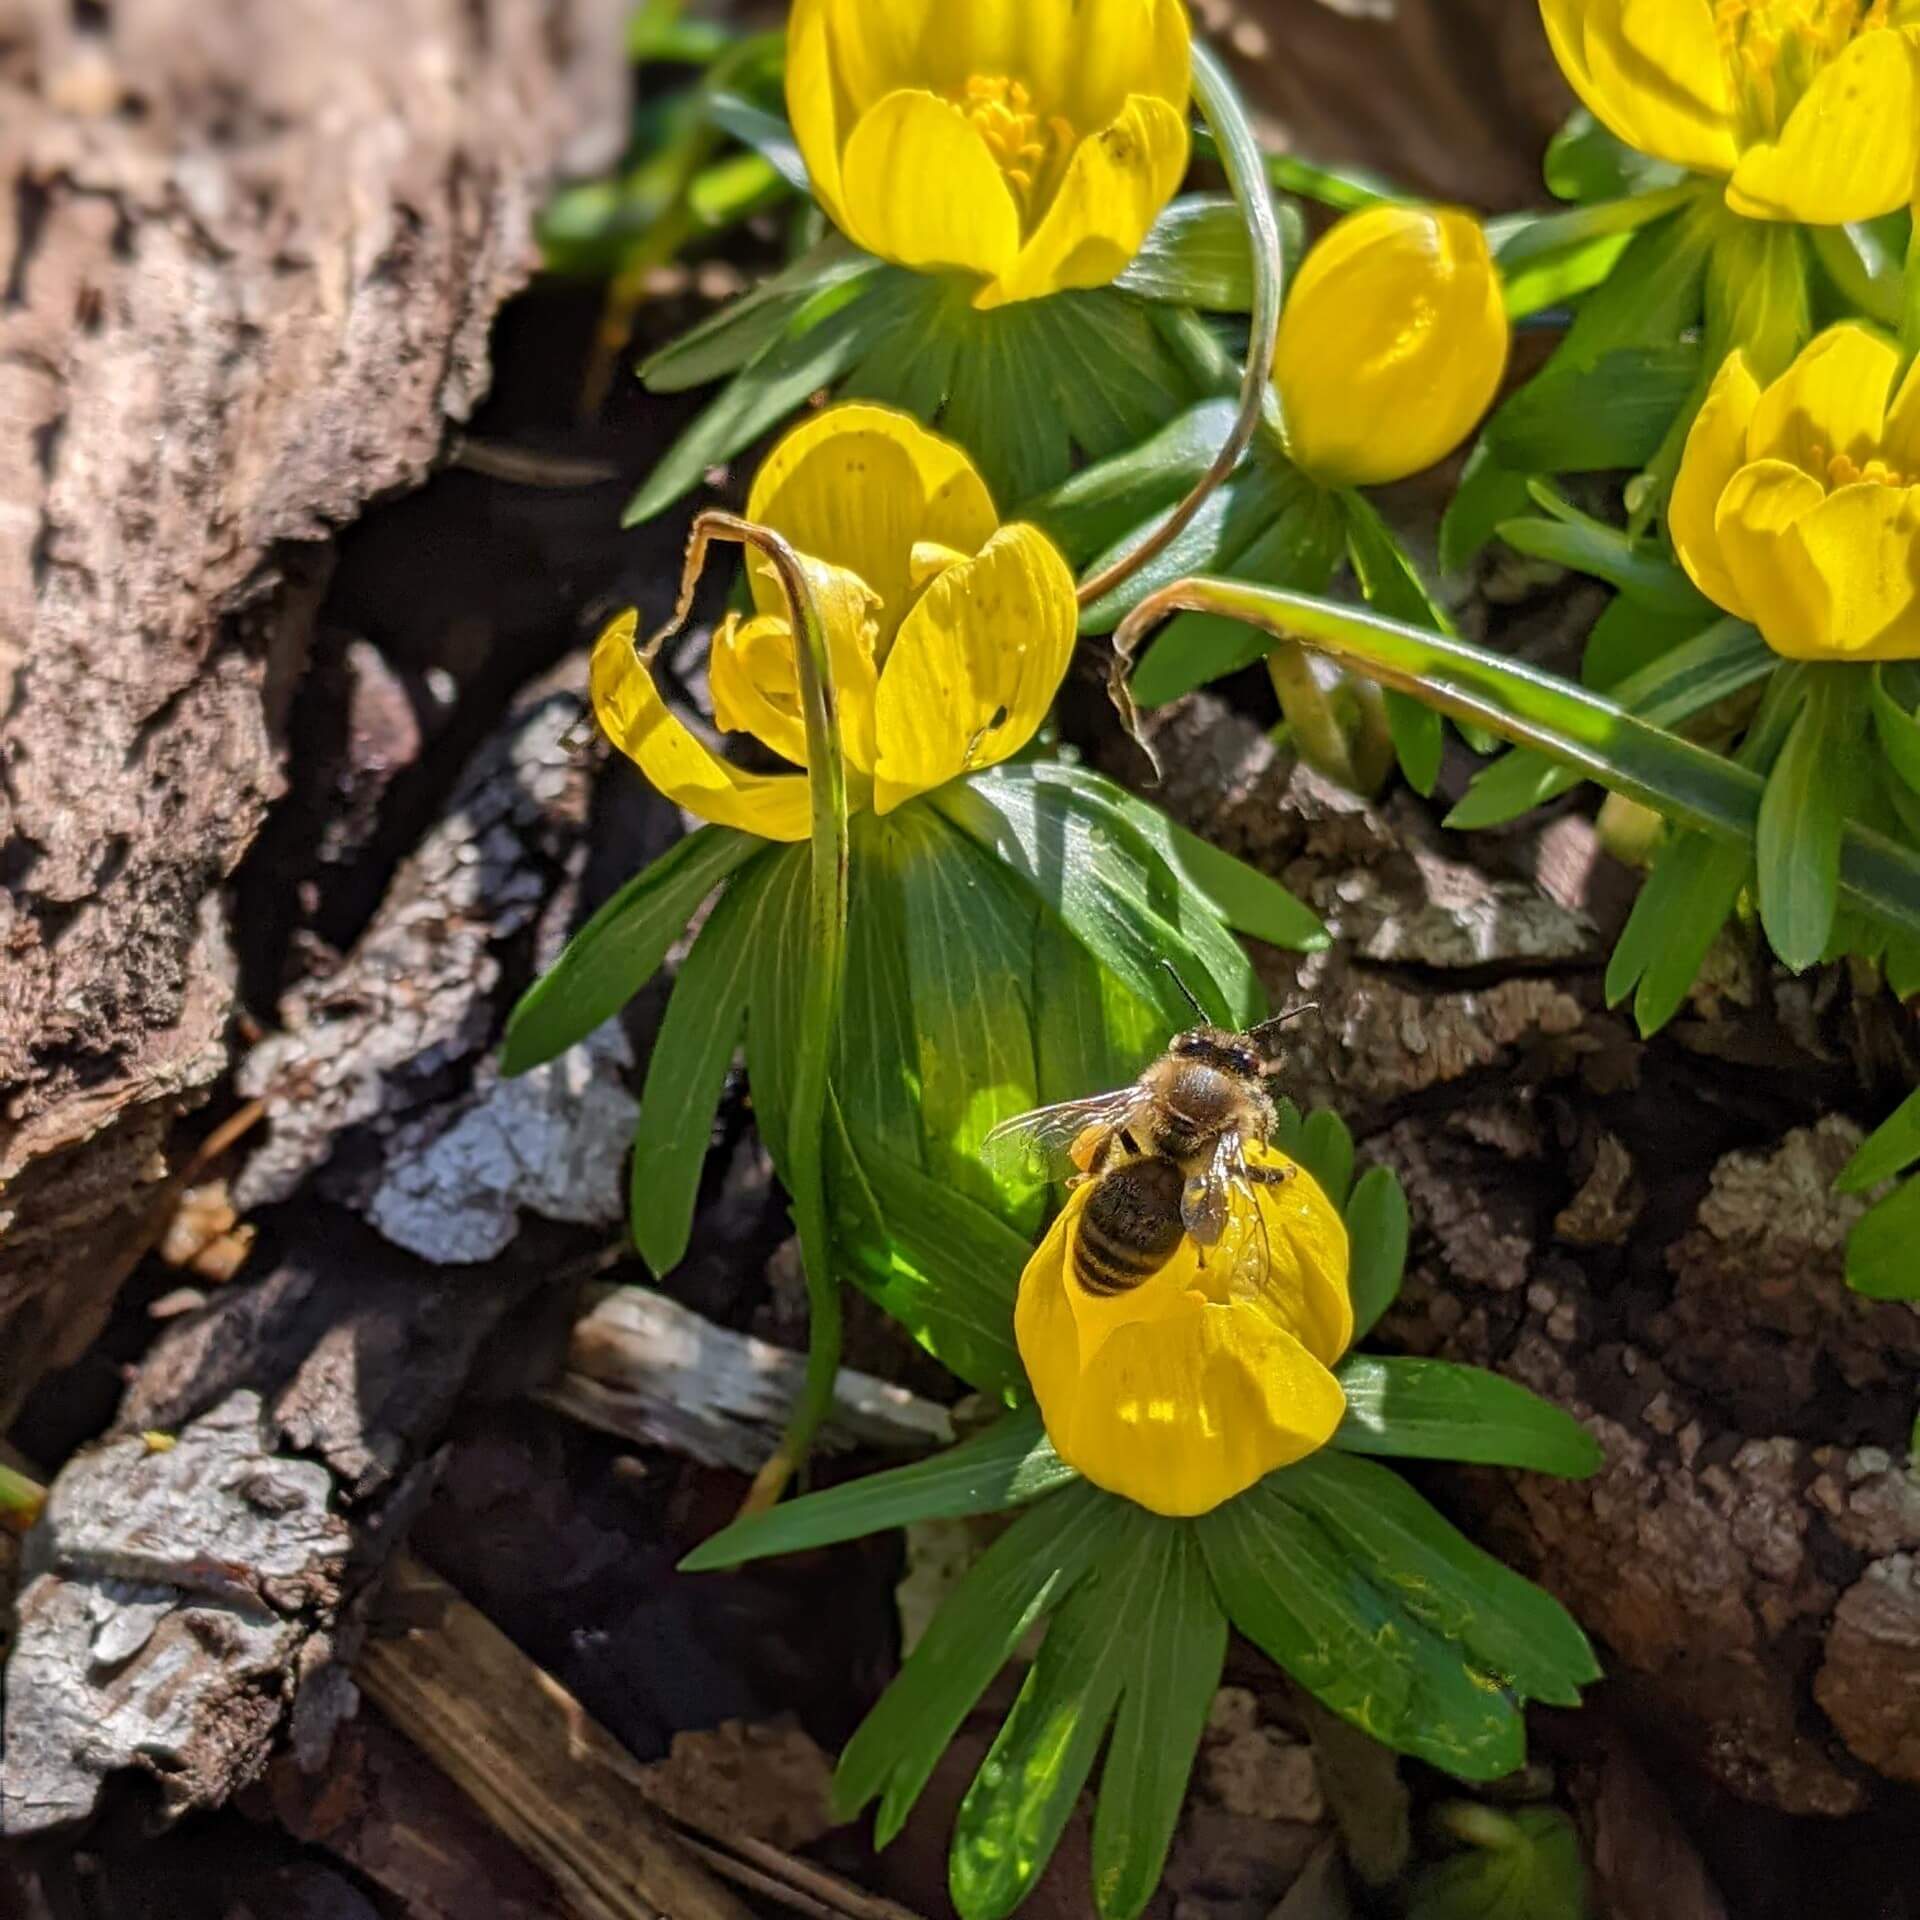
(1031,1567)
(1105,502)
(1547,258)
(1757,294)
(1586,163)
(1685,680)
(1525,704)
(776,982)
(768,134)
(1627,637)
(1300,1597)
(1809,794)
(1020,1800)
(1892,1147)
(1643,573)
(745,328)
(1010,1464)
(688,1069)
(620,949)
(832,331)
(1392,583)
(1433,1410)
(1235,514)
(1172,1652)
(1377,1233)
(1197,255)
(1487,494)
(1511,1629)
(1326,1152)
(1866,263)
(1881,1262)
(1526,1866)
(1246,899)
(944,1266)
(1898,731)
(1692,887)
(1065,836)
(1300,549)
(969,931)
(1614,413)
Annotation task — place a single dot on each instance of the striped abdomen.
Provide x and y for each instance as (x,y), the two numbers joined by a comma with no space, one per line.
(1130,1226)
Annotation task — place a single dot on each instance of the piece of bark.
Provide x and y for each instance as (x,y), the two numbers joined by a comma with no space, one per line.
(169,1591)
(367,1083)
(553,1781)
(1645,1865)
(1738,1557)
(383,1808)
(648,1369)
(251,258)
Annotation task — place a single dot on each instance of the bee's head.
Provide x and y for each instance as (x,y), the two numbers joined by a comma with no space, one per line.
(1217,1048)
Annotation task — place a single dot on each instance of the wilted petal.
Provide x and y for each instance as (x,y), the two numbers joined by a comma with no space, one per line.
(1115,186)
(1864,543)
(1754,521)
(974,666)
(1832,400)
(638,722)
(919,187)
(1851,147)
(1716,450)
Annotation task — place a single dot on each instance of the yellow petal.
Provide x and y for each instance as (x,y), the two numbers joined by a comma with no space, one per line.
(1851,147)
(814,103)
(1651,72)
(919,187)
(1392,344)
(750,675)
(1832,400)
(858,487)
(974,666)
(1115,187)
(1716,450)
(1753,524)
(1079,58)
(1185,1390)
(638,722)
(1900,437)
(1864,543)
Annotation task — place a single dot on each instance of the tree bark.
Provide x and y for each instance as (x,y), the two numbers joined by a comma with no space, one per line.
(249,257)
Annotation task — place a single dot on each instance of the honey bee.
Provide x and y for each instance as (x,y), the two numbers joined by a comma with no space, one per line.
(1165,1154)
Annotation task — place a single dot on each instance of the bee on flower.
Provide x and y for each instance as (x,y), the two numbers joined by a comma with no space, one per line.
(1808,109)
(1029,144)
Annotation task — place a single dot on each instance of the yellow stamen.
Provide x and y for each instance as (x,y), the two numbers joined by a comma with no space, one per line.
(1029,150)
(1774,48)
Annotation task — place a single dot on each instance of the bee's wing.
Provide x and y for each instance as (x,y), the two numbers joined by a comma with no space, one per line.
(1044,1135)
(1253,1250)
(1206,1200)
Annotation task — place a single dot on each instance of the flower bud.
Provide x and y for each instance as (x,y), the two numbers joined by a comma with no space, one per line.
(1392,344)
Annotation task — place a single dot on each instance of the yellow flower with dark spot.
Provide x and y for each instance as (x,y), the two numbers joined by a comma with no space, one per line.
(1809,108)
(1392,344)
(1031,143)
(1185,1390)
(1798,508)
(948,632)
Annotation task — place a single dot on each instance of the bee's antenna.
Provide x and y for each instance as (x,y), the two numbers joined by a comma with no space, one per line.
(1291,1014)
(1186,991)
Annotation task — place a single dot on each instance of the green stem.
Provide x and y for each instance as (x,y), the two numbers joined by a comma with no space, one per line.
(1241,160)
(1533,708)
(20,1500)
(1910,301)
(805,1123)
(1317,733)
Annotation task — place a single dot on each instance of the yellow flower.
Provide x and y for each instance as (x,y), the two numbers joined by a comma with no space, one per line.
(1392,344)
(948,632)
(1809,108)
(1187,1389)
(1029,142)
(1798,508)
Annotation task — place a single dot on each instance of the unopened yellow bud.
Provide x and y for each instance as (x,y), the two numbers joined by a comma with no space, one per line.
(1392,344)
